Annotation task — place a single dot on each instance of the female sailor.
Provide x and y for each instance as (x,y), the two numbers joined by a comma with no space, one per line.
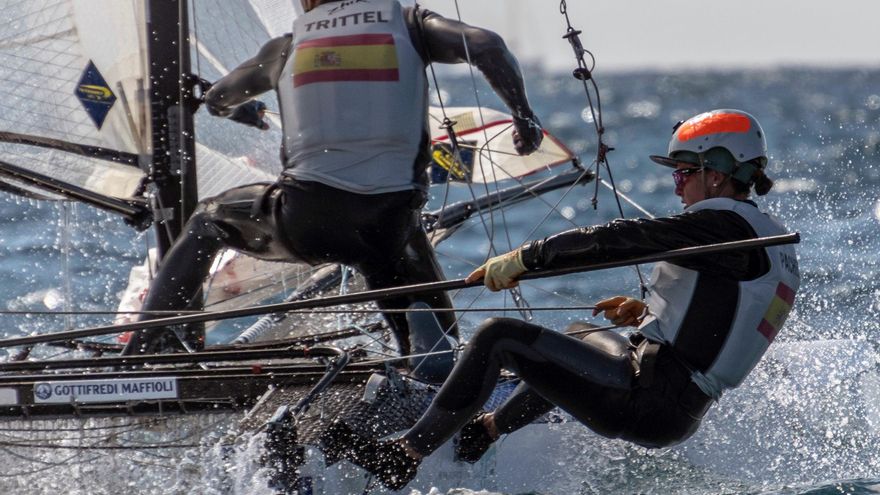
(705,324)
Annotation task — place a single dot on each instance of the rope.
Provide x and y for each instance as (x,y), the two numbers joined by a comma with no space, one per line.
(585,75)
(584,331)
(313,311)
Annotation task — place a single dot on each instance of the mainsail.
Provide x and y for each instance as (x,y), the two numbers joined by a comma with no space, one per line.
(76,107)
(73,94)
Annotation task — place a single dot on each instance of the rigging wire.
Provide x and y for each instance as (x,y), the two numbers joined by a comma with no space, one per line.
(448,125)
(626,198)
(54,429)
(585,75)
(195,32)
(515,292)
(65,254)
(46,465)
(98,444)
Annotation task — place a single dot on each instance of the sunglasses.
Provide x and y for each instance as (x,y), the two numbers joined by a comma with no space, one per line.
(681,175)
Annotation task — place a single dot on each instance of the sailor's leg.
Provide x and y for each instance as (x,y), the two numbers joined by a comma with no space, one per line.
(242,219)
(526,404)
(408,259)
(414,263)
(586,378)
(418,333)
(178,282)
(379,234)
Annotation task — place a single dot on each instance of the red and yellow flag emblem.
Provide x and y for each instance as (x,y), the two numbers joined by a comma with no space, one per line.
(778,311)
(365,57)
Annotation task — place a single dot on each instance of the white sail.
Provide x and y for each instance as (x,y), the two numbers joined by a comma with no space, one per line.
(61,80)
(485,140)
(122,63)
(68,90)
(277,15)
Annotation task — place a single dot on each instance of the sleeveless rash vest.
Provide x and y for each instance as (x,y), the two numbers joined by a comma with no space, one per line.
(722,327)
(353,95)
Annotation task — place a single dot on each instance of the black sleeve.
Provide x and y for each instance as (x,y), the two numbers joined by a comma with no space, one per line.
(625,239)
(448,41)
(251,78)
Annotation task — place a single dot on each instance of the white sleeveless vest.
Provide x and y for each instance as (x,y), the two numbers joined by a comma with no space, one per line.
(762,305)
(353,97)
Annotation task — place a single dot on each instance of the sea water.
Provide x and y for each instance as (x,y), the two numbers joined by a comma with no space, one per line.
(805,421)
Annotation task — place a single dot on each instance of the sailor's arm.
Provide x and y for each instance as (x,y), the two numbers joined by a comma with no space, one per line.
(250,79)
(626,239)
(449,41)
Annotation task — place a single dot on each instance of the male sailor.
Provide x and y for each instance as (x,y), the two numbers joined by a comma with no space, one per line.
(353,94)
(705,324)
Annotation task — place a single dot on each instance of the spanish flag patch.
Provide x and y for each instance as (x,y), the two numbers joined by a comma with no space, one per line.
(365,57)
(778,311)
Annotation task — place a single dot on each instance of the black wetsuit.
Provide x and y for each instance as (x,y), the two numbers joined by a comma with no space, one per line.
(603,379)
(379,234)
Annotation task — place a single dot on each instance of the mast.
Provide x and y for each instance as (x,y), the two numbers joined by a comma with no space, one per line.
(172,166)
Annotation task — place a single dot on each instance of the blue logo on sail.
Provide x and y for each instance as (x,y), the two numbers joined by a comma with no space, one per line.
(445,166)
(95,94)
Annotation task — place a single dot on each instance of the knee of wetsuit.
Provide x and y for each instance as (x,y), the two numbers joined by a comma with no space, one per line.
(493,329)
(427,336)
(203,223)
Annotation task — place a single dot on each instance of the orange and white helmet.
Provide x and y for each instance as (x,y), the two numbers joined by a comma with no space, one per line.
(696,141)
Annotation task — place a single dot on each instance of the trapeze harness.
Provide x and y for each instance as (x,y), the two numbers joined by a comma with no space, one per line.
(648,388)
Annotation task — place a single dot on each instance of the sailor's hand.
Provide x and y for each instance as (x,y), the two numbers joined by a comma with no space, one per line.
(527,134)
(500,272)
(623,311)
(251,113)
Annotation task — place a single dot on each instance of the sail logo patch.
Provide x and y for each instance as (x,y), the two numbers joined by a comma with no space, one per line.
(85,391)
(445,166)
(364,57)
(95,95)
(777,313)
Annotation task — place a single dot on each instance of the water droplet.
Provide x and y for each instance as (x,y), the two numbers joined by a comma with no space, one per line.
(587,115)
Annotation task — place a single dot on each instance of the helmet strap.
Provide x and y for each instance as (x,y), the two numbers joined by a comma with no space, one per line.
(714,191)
(707,193)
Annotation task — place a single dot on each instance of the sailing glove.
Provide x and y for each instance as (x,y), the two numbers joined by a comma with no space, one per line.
(251,113)
(500,272)
(527,134)
(623,311)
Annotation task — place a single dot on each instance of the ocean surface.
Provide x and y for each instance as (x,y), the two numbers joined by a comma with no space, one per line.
(807,421)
